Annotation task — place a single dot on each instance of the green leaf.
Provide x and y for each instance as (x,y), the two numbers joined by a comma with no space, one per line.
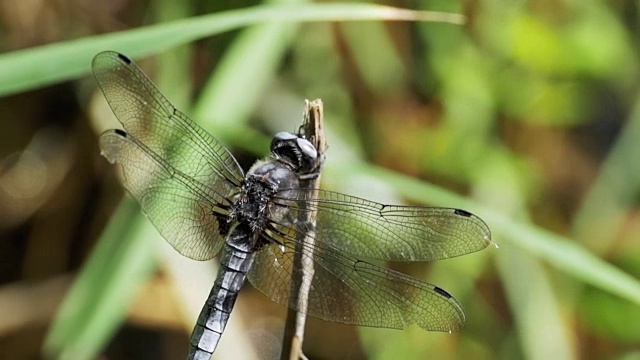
(44,65)
(98,301)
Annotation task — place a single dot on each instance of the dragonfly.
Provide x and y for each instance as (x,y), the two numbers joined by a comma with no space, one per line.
(201,201)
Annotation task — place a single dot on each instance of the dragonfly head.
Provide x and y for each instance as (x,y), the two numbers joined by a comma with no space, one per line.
(297,152)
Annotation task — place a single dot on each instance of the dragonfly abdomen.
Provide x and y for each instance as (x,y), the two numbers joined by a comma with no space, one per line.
(235,261)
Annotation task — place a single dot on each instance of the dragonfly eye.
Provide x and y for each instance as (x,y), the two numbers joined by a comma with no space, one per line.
(281,136)
(295,151)
(307,149)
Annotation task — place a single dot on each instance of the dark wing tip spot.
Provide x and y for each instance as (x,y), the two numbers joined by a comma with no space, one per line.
(124,59)
(462,213)
(120,132)
(442,292)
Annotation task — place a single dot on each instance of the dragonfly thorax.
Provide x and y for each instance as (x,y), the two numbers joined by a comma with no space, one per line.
(263,181)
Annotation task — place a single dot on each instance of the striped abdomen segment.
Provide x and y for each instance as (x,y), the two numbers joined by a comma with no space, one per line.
(215,313)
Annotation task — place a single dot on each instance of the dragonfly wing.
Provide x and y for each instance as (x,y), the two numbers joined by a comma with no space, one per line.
(152,120)
(183,178)
(370,230)
(188,214)
(350,291)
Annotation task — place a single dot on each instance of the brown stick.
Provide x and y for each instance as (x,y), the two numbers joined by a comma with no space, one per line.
(313,129)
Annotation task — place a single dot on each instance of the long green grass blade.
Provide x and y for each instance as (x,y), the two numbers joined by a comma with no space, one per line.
(606,205)
(35,67)
(97,303)
(559,251)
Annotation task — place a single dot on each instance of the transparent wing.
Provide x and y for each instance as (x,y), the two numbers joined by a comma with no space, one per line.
(370,230)
(182,177)
(188,214)
(350,291)
(150,118)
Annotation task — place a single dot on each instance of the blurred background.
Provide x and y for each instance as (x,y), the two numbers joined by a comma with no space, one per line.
(528,115)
